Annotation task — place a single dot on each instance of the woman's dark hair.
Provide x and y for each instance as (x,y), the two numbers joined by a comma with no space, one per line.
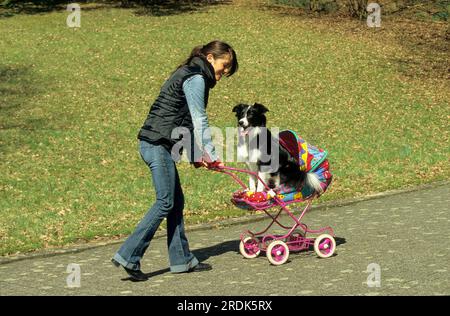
(219,50)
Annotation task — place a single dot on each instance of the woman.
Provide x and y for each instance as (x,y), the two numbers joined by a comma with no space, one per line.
(181,104)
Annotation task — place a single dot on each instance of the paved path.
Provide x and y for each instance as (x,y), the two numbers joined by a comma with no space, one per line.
(407,236)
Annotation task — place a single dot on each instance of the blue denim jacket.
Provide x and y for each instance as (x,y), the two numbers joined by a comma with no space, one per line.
(194,89)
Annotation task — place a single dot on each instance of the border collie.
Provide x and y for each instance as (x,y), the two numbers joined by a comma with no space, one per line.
(263,154)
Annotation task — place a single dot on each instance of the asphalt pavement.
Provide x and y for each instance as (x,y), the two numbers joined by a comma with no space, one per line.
(392,245)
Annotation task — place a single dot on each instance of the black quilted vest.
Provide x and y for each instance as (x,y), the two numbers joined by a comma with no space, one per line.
(170,109)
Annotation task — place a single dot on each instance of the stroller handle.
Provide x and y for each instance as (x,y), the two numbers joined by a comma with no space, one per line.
(231,172)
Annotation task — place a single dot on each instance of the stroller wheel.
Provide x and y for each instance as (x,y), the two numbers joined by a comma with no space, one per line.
(277,252)
(324,246)
(249,248)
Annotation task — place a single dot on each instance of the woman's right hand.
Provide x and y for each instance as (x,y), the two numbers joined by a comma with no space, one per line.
(215,165)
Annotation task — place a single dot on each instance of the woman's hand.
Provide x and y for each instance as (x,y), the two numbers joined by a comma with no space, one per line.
(208,164)
(214,165)
(199,164)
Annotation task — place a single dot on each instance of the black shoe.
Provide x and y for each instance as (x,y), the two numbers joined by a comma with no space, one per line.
(135,275)
(201,267)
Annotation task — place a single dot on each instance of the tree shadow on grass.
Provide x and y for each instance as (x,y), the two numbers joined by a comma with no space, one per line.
(18,86)
(172,7)
(140,7)
(37,7)
(426,42)
(427,48)
(30,7)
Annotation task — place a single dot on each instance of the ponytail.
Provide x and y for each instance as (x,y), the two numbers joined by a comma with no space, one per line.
(197,51)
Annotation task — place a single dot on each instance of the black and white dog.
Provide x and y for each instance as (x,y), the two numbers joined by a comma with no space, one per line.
(263,153)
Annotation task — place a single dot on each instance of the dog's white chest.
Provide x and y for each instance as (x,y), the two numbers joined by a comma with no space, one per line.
(248,150)
(243,150)
(248,154)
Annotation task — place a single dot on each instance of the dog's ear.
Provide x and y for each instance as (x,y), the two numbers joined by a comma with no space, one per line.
(238,108)
(260,108)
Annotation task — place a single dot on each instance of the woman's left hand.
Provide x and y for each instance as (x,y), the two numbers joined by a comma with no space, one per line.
(199,164)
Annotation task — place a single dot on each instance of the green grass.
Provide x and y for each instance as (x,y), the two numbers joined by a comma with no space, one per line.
(73,100)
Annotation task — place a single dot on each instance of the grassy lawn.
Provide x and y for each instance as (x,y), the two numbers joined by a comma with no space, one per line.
(73,100)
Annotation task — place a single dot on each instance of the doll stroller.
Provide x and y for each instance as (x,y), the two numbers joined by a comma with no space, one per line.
(278,246)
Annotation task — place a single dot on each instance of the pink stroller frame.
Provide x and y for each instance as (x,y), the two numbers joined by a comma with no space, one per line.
(278,246)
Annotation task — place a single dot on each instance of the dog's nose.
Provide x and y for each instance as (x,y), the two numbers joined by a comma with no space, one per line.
(241,122)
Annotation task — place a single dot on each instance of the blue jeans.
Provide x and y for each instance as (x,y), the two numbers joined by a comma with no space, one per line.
(169,204)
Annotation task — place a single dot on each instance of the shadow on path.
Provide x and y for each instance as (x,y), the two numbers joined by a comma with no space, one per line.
(217,250)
